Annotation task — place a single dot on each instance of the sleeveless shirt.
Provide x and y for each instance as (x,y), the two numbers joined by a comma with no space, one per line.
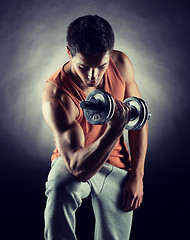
(114,84)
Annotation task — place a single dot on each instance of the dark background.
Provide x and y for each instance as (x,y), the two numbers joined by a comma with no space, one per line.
(155,36)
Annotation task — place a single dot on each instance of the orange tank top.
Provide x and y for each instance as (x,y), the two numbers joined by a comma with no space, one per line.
(113,84)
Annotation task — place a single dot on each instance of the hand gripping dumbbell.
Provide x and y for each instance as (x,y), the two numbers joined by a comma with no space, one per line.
(99,108)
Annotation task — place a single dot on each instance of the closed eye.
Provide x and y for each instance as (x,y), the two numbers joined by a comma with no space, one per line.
(83,68)
(102,67)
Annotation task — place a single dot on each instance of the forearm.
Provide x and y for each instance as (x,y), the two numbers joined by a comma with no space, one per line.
(88,160)
(138,141)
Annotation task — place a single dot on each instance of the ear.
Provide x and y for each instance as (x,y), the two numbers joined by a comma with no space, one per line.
(68,52)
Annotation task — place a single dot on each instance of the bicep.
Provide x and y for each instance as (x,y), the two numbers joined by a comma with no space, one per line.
(68,134)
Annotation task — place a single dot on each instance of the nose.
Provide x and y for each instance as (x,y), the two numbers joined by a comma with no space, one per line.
(92,75)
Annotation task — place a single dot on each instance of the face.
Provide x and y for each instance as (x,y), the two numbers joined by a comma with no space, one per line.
(90,70)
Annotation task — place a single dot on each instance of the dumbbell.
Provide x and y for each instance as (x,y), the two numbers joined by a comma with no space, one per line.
(99,108)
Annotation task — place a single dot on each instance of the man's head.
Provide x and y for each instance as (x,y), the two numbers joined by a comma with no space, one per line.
(90,36)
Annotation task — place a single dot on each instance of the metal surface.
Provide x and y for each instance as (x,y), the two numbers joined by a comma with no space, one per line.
(99,108)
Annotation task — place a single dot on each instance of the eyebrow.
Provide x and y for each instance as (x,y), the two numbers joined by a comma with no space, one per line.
(88,67)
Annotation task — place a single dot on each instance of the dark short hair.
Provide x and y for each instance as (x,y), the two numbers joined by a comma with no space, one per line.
(90,35)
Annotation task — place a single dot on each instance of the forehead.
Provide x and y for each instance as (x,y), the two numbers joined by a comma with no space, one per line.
(92,61)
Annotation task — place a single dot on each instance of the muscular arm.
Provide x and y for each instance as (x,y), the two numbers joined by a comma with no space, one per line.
(138,140)
(133,189)
(81,161)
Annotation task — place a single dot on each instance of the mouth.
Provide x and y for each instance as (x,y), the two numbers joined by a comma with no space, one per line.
(91,82)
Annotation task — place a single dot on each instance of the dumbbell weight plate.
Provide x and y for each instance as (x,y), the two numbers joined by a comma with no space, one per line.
(138,113)
(146,115)
(106,107)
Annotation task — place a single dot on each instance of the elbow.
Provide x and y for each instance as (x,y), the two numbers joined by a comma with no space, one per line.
(80,174)
(81,177)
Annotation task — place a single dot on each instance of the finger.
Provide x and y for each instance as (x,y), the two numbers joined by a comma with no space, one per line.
(133,205)
(125,196)
(127,112)
(123,201)
(128,204)
(126,107)
(119,106)
(140,201)
(136,204)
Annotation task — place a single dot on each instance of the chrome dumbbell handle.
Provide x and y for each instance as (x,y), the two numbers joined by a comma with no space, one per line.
(90,105)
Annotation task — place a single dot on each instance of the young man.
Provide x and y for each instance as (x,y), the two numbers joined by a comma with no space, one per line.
(92,159)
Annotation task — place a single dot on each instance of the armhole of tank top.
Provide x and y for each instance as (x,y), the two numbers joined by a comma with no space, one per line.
(68,94)
(76,104)
(117,71)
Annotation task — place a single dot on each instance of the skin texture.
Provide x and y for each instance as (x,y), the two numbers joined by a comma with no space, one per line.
(85,161)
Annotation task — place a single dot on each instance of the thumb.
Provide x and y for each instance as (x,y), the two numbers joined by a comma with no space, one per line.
(124,198)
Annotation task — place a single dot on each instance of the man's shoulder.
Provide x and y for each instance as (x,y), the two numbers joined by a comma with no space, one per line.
(52,94)
(52,91)
(123,63)
(120,58)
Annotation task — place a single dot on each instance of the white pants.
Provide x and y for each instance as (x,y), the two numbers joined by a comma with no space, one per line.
(65,193)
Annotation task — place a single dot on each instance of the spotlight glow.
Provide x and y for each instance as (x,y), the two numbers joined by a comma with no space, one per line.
(36,45)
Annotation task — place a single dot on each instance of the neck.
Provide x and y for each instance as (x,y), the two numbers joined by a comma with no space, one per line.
(76,79)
